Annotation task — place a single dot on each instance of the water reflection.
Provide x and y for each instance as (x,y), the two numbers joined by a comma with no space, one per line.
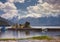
(27,33)
(24,34)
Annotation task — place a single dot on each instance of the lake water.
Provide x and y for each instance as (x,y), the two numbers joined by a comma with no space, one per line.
(25,34)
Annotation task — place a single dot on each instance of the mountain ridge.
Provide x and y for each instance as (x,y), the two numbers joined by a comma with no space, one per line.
(42,21)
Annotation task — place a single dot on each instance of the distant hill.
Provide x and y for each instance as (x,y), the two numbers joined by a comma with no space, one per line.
(4,22)
(41,21)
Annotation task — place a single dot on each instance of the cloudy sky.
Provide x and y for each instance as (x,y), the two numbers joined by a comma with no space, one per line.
(29,8)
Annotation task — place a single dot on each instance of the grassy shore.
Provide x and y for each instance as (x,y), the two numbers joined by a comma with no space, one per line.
(32,38)
(41,38)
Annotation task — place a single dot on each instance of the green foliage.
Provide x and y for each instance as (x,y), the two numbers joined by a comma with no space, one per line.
(41,38)
(32,38)
(27,25)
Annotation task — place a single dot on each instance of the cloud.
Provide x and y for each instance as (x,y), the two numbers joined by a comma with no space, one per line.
(25,14)
(21,1)
(32,15)
(44,9)
(10,1)
(54,3)
(1,5)
(40,1)
(9,9)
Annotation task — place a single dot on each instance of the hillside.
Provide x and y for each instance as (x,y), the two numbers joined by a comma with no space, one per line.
(4,22)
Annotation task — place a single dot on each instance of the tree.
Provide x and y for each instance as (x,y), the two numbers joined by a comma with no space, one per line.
(27,25)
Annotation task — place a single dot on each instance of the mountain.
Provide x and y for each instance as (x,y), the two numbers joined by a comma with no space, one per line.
(4,22)
(42,21)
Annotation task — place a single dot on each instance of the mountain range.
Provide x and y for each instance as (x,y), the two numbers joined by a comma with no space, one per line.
(4,22)
(41,21)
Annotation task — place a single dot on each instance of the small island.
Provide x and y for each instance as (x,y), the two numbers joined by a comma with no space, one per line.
(25,25)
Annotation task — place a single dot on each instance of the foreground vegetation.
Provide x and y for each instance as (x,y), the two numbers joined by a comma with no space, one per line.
(41,38)
(32,38)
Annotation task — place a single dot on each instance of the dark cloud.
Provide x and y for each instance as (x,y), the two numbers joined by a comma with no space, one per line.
(55,3)
(52,1)
(3,1)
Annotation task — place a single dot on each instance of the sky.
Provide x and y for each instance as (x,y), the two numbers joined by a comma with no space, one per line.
(29,8)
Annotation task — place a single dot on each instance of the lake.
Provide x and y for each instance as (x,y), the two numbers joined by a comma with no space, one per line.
(25,34)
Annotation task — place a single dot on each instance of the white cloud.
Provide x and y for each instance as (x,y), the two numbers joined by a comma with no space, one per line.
(21,1)
(44,9)
(54,3)
(33,15)
(1,5)
(26,14)
(8,16)
(39,10)
(29,15)
(10,1)
(40,1)
(9,9)
(7,6)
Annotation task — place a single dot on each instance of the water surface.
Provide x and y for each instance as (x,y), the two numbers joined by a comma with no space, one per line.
(25,34)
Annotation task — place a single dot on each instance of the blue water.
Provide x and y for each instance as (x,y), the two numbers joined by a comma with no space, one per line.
(23,34)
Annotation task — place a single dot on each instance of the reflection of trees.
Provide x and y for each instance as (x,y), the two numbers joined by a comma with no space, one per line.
(27,32)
